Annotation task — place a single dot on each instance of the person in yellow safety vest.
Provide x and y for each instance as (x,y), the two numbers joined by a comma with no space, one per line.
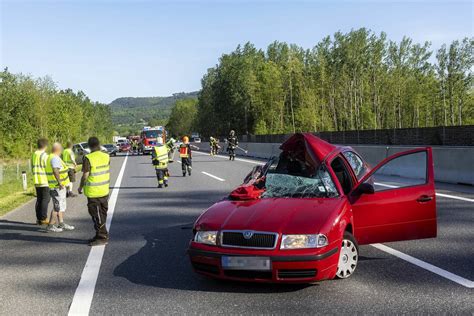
(186,155)
(159,157)
(56,172)
(95,183)
(38,167)
(70,161)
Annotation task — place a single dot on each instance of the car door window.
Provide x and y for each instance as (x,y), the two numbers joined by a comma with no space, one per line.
(342,174)
(403,171)
(356,164)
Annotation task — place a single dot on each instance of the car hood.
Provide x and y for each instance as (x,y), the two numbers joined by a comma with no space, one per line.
(282,215)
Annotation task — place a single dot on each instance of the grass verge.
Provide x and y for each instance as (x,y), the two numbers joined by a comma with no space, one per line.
(12,194)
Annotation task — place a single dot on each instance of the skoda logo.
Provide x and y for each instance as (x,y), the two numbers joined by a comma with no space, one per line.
(248,234)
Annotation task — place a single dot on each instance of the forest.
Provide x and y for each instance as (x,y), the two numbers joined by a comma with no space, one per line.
(35,107)
(349,81)
(129,114)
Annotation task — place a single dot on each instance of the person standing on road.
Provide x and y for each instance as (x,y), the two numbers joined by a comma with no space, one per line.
(70,161)
(95,182)
(232,144)
(186,156)
(160,158)
(214,144)
(171,147)
(56,172)
(38,166)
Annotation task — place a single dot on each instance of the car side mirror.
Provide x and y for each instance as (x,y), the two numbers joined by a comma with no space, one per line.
(365,188)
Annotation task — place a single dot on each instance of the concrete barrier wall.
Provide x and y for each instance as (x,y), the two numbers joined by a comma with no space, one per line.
(452,164)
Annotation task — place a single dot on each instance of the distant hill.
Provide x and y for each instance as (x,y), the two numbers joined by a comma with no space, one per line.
(143,110)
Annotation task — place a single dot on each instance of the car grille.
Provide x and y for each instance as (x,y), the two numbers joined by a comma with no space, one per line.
(259,240)
(296,274)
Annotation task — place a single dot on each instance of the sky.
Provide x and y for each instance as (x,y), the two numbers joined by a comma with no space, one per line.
(111,49)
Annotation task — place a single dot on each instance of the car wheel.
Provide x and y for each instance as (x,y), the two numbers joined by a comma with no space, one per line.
(348,257)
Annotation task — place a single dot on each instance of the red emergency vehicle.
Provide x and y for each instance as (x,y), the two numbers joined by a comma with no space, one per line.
(151,136)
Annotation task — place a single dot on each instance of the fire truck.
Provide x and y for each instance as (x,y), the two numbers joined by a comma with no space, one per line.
(150,136)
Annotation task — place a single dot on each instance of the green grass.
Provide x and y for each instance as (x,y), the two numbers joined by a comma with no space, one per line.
(12,195)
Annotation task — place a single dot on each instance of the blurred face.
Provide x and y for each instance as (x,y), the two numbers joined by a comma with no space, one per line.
(57,148)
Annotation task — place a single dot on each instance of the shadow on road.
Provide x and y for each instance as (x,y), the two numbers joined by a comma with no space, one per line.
(22,227)
(163,263)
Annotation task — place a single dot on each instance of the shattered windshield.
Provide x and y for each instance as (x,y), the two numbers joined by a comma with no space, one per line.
(287,183)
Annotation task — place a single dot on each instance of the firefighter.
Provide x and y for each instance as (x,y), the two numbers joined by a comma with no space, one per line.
(186,155)
(170,144)
(160,158)
(134,146)
(232,144)
(214,145)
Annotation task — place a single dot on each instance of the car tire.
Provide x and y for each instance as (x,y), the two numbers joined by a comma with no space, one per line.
(348,257)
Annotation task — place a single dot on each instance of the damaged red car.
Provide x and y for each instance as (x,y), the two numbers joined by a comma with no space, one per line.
(301,217)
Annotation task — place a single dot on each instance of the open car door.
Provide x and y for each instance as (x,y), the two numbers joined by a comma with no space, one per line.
(396,200)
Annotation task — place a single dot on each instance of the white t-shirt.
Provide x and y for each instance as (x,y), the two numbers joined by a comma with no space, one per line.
(56,162)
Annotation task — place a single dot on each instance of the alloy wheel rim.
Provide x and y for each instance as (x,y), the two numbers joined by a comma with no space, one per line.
(348,258)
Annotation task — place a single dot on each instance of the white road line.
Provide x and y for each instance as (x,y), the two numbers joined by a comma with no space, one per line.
(82,300)
(255,162)
(437,194)
(443,273)
(455,197)
(213,176)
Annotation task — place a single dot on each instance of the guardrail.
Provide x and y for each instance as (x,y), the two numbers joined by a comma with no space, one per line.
(451,164)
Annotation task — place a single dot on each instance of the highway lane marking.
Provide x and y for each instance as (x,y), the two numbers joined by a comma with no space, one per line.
(82,300)
(238,159)
(437,194)
(212,176)
(427,266)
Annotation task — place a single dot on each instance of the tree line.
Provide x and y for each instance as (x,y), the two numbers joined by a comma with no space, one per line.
(35,107)
(350,81)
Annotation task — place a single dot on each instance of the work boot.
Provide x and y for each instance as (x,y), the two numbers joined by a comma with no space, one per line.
(166,184)
(42,222)
(184,174)
(71,194)
(160,186)
(98,242)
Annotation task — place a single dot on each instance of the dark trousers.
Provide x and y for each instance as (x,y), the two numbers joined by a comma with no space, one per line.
(186,165)
(98,208)
(162,175)
(42,201)
(231,151)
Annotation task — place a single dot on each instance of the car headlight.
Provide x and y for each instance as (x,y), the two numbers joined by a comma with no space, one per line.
(303,241)
(206,237)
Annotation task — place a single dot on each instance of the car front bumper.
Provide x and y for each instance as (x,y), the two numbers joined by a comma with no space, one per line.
(286,267)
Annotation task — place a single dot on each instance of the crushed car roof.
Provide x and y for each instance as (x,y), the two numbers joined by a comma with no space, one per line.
(317,148)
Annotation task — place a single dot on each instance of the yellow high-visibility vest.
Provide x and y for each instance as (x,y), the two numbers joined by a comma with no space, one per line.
(63,176)
(38,167)
(67,158)
(97,184)
(161,154)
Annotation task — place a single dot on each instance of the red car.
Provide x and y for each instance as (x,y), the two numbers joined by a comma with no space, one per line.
(301,217)
(124,147)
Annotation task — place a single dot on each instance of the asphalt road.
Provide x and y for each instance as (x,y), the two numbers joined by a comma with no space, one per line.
(145,269)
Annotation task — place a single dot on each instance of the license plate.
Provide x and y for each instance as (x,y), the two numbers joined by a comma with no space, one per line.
(246,263)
